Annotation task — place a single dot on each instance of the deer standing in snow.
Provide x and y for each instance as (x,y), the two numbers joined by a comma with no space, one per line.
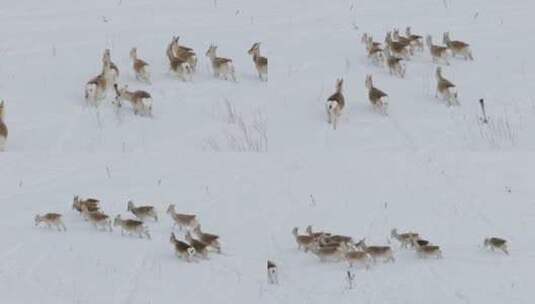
(335,104)
(261,62)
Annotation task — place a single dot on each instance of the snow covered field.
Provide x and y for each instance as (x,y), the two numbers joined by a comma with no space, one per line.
(425,167)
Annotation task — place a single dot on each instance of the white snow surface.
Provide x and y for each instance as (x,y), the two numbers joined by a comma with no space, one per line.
(425,167)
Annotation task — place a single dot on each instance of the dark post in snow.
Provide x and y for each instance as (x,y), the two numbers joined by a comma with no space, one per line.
(272,273)
(350,277)
(482,104)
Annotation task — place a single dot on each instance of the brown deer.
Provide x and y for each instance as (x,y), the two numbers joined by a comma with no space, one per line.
(377,98)
(335,104)
(261,62)
(457,47)
(51,219)
(141,67)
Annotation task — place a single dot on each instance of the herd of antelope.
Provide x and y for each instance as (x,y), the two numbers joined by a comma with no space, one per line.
(396,49)
(334,247)
(196,243)
(182,63)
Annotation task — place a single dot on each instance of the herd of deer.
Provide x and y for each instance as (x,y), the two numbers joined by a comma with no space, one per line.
(396,49)
(91,211)
(334,247)
(182,62)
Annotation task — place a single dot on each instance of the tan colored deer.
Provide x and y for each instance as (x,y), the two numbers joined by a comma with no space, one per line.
(395,67)
(97,218)
(141,67)
(445,89)
(378,98)
(404,40)
(375,53)
(131,227)
(438,53)
(142,212)
(183,221)
(182,249)
(397,48)
(405,239)
(177,51)
(377,252)
(222,67)
(316,235)
(457,47)
(368,42)
(96,87)
(211,240)
(92,204)
(415,40)
(261,62)
(112,73)
(335,104)
(51,219)
(3,126)
(428,250)
(200,247)
(353,256)
(327,253)
(304,242)
(141,101)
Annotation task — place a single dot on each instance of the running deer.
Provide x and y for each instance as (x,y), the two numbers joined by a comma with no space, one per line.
(415,40)
(438,53)
(97,218)
(457,47)
(182,249)
(377,252)
(335,104)
(428,250)
(397,48)
(261,62)
(142,212)
(183,221)
(394,64)
(368,42)
(141,68)
(181,68)
(211,240)
(51,219)
(111,74)
(316,235)
(377,98)
(305,242)
(405,239)
(353,256)
(375,53)
(404,40)
(177,51)
(222,67)
(92,204)
(327,253)
(141,101)
(200,248)
(272,273)
(445,89)
(96,87)
(131,227)
(496,243)
(3,127)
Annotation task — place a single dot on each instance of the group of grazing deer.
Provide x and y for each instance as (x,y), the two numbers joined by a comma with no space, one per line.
(90,209)
(396,49)
(333,247)
(182,63)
